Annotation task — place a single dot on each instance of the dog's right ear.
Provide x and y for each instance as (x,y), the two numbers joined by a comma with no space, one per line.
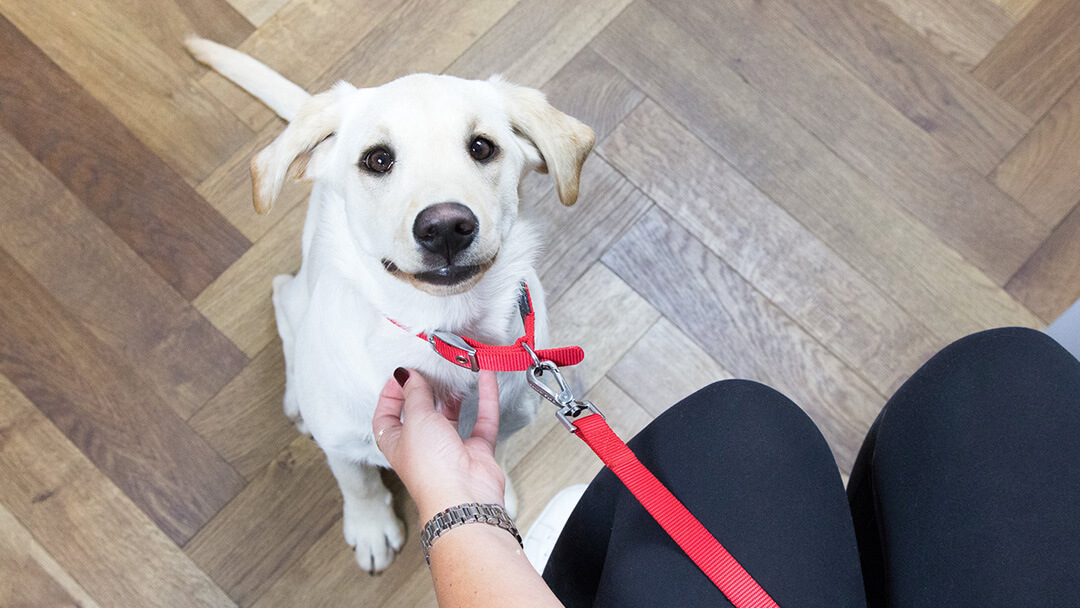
(287,157)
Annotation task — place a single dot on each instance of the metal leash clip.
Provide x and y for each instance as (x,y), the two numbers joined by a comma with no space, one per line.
(563,397)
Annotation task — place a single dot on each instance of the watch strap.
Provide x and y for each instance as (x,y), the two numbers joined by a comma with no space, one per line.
(468,513)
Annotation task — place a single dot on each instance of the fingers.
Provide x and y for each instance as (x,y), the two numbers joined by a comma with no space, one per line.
(387,418)
(487,417)
(419,401)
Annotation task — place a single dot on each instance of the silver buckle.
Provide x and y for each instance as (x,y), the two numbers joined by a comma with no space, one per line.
(468,360)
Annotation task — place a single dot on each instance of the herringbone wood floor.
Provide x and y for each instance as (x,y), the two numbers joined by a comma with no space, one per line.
(817,194)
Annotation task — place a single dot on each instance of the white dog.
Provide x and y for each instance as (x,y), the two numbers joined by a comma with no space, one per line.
(413,217)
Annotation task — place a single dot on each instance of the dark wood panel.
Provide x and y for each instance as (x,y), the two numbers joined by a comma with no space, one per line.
(297,498)
(1040,58)
(99,280)
(958,203)
(132,190)
(107,410)
(216,20)
(1050,282)
(791,166)
(1043,173)
(746,333)
(924,85)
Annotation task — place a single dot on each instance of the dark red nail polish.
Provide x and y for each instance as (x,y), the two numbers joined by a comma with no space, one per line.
(401,375)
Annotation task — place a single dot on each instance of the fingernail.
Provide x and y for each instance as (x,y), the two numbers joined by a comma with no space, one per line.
(401,375)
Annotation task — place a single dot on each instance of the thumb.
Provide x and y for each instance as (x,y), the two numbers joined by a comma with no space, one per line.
(487,416)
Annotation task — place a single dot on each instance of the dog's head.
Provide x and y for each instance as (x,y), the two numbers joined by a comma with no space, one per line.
(428,168)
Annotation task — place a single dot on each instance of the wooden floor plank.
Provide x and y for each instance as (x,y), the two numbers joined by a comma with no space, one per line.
(244,422)
(298,494)
(257,11)
(927,179)
(133,191)
(535,39)
(112,292)
(31,576)
(965,30)
(1040,58)
(301,40)
(87,525)
(665,352)
(112,414)
(214,19)
(238,302)
(1042,173)
(742,330)
(1050,282)
(923,84)
(768,248)
(902,257)
(107,53)
(1017,9)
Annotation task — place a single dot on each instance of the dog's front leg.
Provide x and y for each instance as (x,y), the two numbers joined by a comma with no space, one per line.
(370,524)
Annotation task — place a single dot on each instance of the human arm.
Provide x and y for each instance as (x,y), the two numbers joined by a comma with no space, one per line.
(473,565)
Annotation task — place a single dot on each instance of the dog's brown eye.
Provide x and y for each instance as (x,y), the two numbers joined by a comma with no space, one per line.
(481,148)
(378,160)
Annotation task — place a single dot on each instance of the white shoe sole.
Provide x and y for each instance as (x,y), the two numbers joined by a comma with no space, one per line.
(542,535)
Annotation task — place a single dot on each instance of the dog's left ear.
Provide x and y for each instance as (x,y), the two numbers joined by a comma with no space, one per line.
(563,141)
(287,156)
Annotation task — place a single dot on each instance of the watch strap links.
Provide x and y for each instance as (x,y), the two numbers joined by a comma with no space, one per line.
(472,512)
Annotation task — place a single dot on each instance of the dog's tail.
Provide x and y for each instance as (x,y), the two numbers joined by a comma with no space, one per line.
(280,94)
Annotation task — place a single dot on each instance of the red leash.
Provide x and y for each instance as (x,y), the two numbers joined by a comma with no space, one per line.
(691,536)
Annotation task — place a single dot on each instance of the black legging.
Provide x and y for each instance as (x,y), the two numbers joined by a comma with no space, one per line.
(966,493)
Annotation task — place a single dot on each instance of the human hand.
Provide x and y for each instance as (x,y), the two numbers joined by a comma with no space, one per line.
(436,466)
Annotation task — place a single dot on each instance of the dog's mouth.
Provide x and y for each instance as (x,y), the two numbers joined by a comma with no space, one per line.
(455,277)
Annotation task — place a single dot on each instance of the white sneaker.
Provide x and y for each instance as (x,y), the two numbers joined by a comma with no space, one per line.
(541,537)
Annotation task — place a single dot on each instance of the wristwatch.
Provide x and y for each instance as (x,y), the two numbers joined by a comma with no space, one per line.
(467,513)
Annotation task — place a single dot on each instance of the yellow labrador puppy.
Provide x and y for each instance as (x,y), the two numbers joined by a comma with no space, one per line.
(413,217)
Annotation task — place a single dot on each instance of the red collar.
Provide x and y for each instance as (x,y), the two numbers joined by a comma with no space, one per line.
(475,355)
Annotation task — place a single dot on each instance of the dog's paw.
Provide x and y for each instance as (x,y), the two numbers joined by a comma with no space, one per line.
(375,532)
(510,499)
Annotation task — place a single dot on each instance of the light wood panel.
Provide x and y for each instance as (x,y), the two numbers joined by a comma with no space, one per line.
(1037,62)
(257,11)
(928,180)
(107,53)
(535,38)
(1050,282)
(298,494)
(768,248)
(1043,173)
(108,410)
(965,30)
(87,525)
(238,302)
(118,177)
(31,577)
(1017,9)
(921,83)
(745,332)
(665,366)
(103,283)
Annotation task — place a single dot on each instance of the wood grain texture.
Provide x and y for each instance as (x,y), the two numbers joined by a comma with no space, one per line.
(1050,282)
(108,288)
(244,422)
(965,30)
(298,494)
(742,330)
(769,248)
(31,577)
(922,84)
(903,258)
(106,51)
(301,40)
(108,410)
(927,179)
(1037,62)
(228,189)
(535,39)
(666,353)
(1043,173)
(87,525)
(1017,9)
(257,11)
(145,202)
(238,302)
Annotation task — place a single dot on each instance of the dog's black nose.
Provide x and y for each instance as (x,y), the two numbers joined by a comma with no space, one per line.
(446,229)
